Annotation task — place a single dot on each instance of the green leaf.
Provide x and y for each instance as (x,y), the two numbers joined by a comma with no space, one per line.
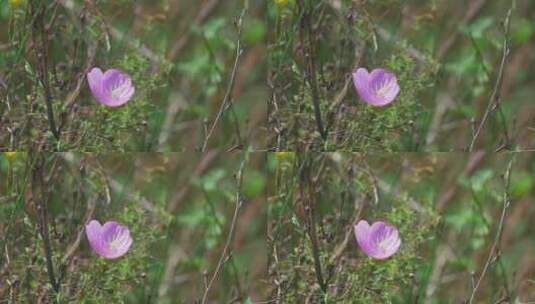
(521,31)
(521,184)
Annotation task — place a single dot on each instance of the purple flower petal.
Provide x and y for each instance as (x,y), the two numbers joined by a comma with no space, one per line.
(377,88)
(379,240)
(112,88)
(110,241)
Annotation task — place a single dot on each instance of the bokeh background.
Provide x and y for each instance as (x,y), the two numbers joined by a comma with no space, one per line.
(447,56)
(181,55)
(179,209)
(242,68)
(447,207)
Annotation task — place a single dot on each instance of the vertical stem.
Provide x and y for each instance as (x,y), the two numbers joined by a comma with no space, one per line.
(315,248)
(311,66)
(43,227)
(310,222)
(38,188)
(9,172)
(42,58)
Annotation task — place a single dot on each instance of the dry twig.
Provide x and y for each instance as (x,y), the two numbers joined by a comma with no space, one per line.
(494,251)
(226,254)
(494,101)
(227,100)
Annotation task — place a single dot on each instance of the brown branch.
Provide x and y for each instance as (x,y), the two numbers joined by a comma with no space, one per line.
(494,101)
(494,251)
(72,97)
(226,254)
(339,250)
(74,246)
(227,100)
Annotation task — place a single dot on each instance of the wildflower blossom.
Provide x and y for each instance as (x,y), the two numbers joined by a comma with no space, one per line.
(379,240)
(377,88)
(112,88)
(110,240)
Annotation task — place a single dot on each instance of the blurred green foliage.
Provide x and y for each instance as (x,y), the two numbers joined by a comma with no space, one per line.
(441,244)
(446,54)
(174,248)
(344,188)
(180,55)
(340,45)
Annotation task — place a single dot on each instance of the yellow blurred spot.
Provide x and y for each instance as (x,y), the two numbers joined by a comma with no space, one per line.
(15,3)
(281,2)
(283,155)
(10,155)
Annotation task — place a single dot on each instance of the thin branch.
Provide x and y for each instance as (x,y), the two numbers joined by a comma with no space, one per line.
(227,100)
(226,254)
(494,101)
(72,97)
(339,250)
(74,246)
(494,251)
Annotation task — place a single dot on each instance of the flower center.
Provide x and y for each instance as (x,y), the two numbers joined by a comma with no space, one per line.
(382,88)
(116,90)
(115,241)
(115,244)
(383,243)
